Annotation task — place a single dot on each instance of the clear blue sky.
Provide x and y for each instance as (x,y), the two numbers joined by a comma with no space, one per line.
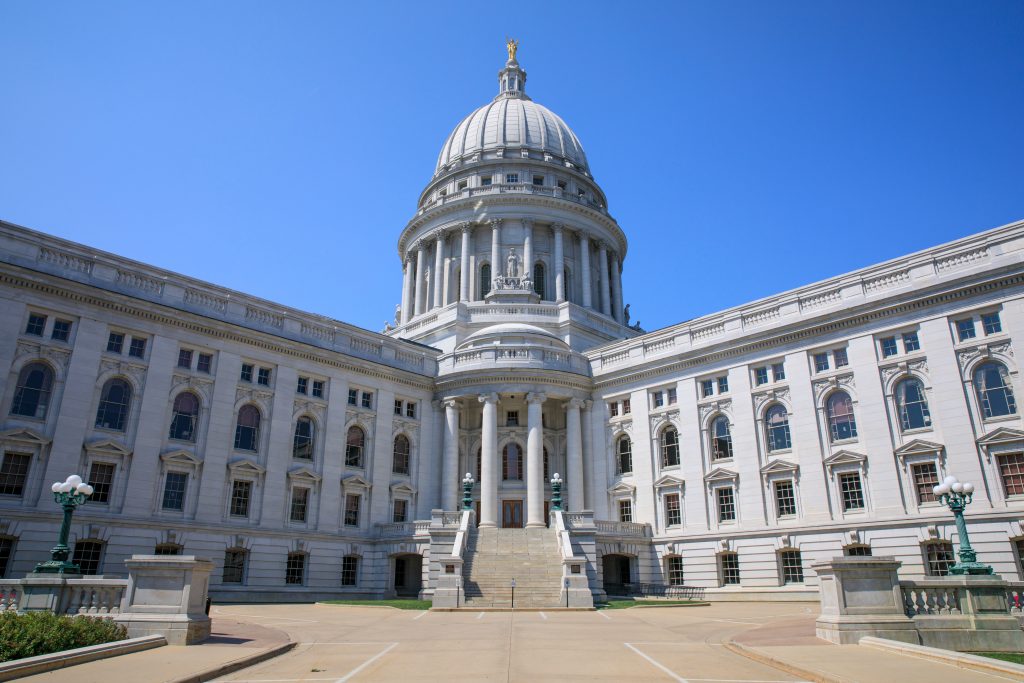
(278,148)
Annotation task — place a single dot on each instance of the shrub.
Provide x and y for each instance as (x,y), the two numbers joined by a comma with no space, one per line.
(40,633)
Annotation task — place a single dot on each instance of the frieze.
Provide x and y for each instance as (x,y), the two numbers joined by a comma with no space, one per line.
(140,282)
(68,261)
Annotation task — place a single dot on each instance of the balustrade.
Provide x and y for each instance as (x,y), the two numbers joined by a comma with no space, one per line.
(929,599)
(622,528)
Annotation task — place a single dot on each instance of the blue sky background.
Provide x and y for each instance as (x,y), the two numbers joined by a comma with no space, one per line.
(278,148)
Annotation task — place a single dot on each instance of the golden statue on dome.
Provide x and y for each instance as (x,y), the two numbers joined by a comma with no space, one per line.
(511,44)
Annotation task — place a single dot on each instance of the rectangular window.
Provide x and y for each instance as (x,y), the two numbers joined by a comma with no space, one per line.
(538,180)
(300,503)
(785,499)
(61,330)
(367,399)
(14,473)
(185,358)
(857,551)
(101,479)
(512,418)
(760,376)
(990,321)
(625,510)
(673,514)
(318,389)
(675,570)
(234,566)
(115,342)
(263,377)
(658,398)
(926,477)
(841,358)
(205,363)
(398,406)
(410,410)
(246,375)
(462,185)
(349,570)
(241,492)
(792,566)
(174,491)
(352,510)
(87,556)
(6,550)
(888,347)
(295,569)
(820,362)
(36,324)
(562,185)
(779,371)
(613,409)
(723,385)
(672,398)
(401,511)
(1011,470)
(730,563)
(511,177)
(486,180)
(167,549)
(852,491)
(302,385)
(353,396)
(137,347)
(911,342)
(939,558)
(707,388)
(965,329)
(726,503)
(625,406)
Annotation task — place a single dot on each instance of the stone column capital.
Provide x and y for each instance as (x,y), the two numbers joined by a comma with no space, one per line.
(602,245)
(465,227)
(557,227)
(536,397)
(495,223)
(582,236)
(488,398)
(527,221)
(451,403)
(438,234)
(575,403)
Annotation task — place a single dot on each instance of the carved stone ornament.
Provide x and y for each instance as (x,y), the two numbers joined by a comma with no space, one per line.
(57,356)
(780,394)
(919,366)
(660,420)
(120,367)
(967,356)
(200,385)
(723,406)
(823,386)
(306,407)
(253,395)
(408,427)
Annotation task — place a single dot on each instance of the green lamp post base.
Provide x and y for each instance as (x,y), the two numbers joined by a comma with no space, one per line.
(961,568)
(57,567)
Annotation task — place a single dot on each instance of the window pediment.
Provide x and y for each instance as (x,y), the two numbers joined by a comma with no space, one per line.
(304,474)
(25,436)
(181,457)
(107,447)
(621,488)
(402,489)
(668,481)
(720,474)
(919,447)
(355,483)
(845,458)
(1002,435)
(780,467)
(245,466)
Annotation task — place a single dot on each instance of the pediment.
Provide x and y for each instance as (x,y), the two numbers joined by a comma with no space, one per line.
(668,481)
(182,457)
(24,435)
(245,466)
(622,487)
(1001,435)
(304,473)
(403,489)
(107,447)
(845,458)
(720,474)
(919,447)
(355,482)
(780,467)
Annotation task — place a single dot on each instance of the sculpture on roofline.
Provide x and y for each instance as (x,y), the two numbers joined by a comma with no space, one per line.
(398,314)
(512,267)
(625,315)
(511,44)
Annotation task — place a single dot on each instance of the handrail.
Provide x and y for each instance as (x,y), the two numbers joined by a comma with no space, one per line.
(564,544)
(461,535)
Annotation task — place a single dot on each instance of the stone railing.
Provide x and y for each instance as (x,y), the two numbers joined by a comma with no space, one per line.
(632,529)
(929,598)
(400,529)
(529,355)
(511,188)
(90,596)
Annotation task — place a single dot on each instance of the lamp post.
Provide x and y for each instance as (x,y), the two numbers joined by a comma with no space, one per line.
(556,492)
(958,495)
(467,491)
(69,494)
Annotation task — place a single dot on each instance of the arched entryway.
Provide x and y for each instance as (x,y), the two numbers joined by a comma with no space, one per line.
(407,575)
(618,574)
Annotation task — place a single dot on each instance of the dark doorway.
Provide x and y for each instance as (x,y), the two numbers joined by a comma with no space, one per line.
(512,514)
(617,575)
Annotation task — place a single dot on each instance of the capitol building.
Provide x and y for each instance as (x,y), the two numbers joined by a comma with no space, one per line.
(309,458)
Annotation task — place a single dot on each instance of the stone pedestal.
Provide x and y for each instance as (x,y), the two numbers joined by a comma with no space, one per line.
(861,596)
(166,595)
(448,593)
(44,593)
(575,586)
(984,623)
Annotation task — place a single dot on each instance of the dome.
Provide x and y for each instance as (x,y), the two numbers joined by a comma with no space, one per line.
(513,121)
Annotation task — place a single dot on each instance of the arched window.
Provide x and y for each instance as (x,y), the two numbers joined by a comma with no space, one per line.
(721,439)
(354,443)
(302,444)
(623,456)
(400,462)
(485,280)
(512,462)
(841,423)
(995,394)
(912,405)
(32,395)
(776,427)
(247,429)
(669,447)
(114,401)
(539,284)
(184,416)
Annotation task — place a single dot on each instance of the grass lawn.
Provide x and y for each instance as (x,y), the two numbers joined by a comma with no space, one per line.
(400,604)
(626,604)
(1015,657)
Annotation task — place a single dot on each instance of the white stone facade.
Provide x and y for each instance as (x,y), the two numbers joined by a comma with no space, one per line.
(510,342)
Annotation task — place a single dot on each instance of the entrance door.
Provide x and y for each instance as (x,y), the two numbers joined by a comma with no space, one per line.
(512,514)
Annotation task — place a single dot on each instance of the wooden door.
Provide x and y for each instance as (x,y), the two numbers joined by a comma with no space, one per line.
(512,514)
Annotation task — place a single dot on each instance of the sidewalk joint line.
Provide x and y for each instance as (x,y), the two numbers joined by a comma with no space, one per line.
(367,663)
(672,675)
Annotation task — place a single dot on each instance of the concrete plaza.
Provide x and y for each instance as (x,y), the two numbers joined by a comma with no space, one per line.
(683,644)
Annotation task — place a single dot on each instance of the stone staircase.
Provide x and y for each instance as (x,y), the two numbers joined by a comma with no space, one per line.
(493,557)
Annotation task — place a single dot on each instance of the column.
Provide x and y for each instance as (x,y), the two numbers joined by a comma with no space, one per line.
(616,287)
(489,462)
(559,265)
(527,247)
(606,303)
(406,286)
(438,269)
(495,248)
(585,267)
(421,256)
(464,263)
(450,467)
(574,455)
(534,460)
